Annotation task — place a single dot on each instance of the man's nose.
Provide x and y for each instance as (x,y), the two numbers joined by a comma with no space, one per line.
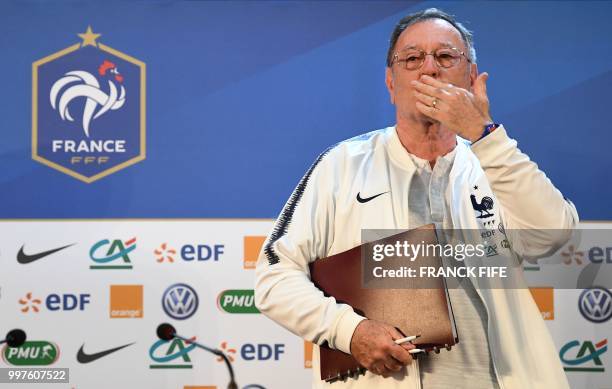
(430,67)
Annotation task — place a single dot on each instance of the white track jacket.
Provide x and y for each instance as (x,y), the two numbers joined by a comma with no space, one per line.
(322,218)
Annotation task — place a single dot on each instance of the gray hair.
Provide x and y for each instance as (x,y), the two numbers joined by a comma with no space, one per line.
(431,13)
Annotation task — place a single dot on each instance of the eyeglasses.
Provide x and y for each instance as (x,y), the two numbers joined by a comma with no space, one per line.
(413,59)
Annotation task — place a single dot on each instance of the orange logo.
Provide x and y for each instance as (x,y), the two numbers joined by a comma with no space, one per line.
(126,301)
(165,253)
(307,354)
(544,299)
(29,302)
(252,247)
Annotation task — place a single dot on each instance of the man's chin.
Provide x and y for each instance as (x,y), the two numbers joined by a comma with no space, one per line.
(426,120)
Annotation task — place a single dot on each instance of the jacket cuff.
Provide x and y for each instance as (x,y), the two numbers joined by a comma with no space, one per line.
(490,147)
(347,322)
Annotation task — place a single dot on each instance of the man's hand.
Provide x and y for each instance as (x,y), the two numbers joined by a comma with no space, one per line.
(458,109)
(374,348)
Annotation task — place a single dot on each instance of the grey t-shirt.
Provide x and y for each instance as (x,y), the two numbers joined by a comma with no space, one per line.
(468,364)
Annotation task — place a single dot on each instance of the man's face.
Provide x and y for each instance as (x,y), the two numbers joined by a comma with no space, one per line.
(428,36)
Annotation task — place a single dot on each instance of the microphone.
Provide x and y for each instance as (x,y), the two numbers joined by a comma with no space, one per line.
(15,338)
(166,331)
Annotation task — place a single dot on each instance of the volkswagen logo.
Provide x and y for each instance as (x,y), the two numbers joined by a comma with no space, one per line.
(595,304)
(180,301)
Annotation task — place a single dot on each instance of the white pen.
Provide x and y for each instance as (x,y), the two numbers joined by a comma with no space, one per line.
(407,339)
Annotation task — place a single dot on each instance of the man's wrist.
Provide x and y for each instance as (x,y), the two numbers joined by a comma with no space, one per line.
(345,329)
(488,128)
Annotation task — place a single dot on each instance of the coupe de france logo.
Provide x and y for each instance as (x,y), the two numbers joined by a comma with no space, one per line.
(88,110)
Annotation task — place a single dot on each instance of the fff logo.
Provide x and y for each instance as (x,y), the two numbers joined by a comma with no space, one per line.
(88,109)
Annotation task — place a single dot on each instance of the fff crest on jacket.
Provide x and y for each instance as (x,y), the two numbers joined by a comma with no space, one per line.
(88,109)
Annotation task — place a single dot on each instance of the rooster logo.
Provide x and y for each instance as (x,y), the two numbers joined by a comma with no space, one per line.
(79,83)
(485,205)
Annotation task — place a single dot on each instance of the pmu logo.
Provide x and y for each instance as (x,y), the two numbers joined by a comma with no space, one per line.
(237,301)
(180,301)
(31,353)
(583,357)
(172,354)
(88,109)
(595,304)
(107,253)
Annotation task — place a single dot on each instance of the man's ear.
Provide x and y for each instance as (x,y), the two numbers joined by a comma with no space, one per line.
(390,84)
(473,75)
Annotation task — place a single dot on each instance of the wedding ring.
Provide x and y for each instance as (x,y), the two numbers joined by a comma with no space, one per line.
(435,101)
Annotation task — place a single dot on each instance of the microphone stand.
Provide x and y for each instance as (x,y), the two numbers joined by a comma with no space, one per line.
(232,384)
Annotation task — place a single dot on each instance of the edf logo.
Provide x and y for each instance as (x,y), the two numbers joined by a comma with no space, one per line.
(254,351)
(55,302)
(202,252)
(262,351)
(67,302)
(190,253)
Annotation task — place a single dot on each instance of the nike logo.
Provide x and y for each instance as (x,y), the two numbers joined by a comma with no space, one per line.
(83,357)
(362,200)
(24,258)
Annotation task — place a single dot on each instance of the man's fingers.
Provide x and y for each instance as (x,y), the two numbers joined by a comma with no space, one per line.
(380,369)
(373,345)
(428,111)
(394,332)
(393,364)
(401,355)
(397,353)
(480,85)
(429,90)
(426,99)
(428,80)
(432,102)
(407,346)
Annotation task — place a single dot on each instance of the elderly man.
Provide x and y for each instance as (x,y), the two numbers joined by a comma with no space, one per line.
(441,160)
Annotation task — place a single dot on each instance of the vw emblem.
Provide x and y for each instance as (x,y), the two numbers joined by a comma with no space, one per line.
(180,301)
(595,304)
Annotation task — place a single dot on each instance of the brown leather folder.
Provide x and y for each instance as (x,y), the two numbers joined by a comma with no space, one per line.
(412,305)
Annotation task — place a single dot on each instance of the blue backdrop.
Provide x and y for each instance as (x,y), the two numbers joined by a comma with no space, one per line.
(242,96)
